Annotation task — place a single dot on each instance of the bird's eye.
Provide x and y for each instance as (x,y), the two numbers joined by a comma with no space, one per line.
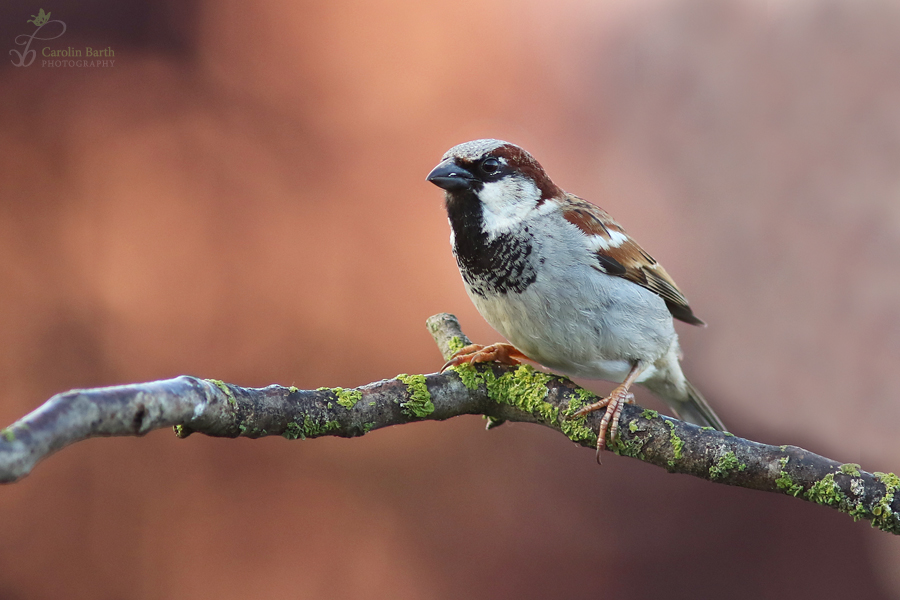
(490,165)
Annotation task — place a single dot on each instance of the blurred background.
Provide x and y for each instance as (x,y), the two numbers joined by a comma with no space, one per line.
(242,196)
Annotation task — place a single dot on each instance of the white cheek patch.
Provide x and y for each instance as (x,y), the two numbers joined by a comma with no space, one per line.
(507,202)
(599,242)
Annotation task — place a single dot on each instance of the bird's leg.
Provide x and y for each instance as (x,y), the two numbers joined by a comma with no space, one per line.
(613,405)
(506,354)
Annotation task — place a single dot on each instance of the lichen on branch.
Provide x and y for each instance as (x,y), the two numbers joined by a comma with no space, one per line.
(212,407)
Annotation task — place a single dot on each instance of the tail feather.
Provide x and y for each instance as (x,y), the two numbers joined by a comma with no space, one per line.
(696,410)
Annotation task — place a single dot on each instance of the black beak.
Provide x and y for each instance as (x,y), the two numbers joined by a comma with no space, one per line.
(451,177)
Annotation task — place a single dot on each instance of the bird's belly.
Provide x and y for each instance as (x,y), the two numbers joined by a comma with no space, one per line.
(597,329)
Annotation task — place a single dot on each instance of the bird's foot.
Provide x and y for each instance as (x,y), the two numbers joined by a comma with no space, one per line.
(505,354)
(613,404)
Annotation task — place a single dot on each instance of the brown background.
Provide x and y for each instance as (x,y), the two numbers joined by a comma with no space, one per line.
(242,197)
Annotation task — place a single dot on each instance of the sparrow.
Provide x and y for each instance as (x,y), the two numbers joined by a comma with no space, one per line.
(563,282)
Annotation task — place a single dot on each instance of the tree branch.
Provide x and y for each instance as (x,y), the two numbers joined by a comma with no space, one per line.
(501,393)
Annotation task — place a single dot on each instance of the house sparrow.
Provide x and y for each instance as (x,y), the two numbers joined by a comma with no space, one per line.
(562,281)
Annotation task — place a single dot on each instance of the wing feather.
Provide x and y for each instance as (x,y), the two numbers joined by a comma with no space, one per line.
(619,255)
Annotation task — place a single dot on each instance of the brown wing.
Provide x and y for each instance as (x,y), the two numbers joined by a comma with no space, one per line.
(618,254)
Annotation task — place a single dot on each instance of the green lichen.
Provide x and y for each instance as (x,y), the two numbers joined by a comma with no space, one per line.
(677,444)
(326,427)
(891,482)
(8,435)
(293,431)
(649,414)
(881,513)
(419,403)
(348,398)
(724,465)
(293,389)
(526,389)
(455,344)
(632,447)
(707,428)
(785,482)
(636,425)
(859,512)
(727,434)
(826,492)
(578,433)
(850,469)
(251,431)
(585,397)
(575,429)
(469,375)
(227,390)
(883,516)
(580,398)
(309,428)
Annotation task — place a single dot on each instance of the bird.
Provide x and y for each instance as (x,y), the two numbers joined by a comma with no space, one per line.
(564,283)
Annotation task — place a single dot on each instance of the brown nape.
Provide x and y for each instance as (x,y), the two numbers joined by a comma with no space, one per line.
(523,162)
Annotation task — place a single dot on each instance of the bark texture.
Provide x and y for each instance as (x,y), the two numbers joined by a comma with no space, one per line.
(211,407)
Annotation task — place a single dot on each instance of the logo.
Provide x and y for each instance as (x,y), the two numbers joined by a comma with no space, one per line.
(47,30)
(42,18)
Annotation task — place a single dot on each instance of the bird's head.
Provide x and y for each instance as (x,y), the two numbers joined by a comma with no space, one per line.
(503,178)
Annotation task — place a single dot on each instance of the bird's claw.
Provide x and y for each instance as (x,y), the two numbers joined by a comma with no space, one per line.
(613,404)
(505,354)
